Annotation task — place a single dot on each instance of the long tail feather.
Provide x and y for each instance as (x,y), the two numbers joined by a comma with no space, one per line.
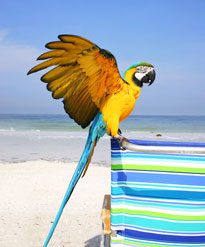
(97,130)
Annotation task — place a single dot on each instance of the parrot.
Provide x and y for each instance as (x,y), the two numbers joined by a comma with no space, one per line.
(87,78)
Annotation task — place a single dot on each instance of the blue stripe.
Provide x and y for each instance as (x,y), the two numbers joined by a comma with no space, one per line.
(162,237)
(148,156)
(115,144)
(158,177)
(147,229)
(158,193)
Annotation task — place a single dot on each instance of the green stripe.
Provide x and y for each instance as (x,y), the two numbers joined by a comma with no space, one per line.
(137,243)
(157,168)
(157,214)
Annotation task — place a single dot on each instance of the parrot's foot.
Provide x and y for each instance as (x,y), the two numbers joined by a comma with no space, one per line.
(121,139)
(119,132)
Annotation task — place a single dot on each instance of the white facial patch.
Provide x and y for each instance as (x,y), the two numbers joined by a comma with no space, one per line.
(139,75)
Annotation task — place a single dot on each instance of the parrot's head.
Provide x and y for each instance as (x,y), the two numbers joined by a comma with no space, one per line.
(140,73)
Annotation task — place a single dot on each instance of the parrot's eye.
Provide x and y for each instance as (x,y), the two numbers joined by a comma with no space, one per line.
(142,69)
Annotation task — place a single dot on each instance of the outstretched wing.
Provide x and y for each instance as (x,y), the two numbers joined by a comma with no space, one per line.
(83,76)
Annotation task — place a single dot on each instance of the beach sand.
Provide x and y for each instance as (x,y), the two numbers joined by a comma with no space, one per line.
(30,195)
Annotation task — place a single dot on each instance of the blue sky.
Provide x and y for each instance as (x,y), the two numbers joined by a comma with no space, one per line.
(170,34)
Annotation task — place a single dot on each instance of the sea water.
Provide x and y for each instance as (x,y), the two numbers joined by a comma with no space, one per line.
(59,138)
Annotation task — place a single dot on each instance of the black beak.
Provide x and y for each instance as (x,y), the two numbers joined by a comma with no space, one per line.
(149,77)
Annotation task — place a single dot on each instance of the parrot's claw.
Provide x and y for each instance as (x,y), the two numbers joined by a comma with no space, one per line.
(120,140)
(119,132)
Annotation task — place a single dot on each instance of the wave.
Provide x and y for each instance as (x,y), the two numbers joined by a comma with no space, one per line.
(11,129)
(36,134)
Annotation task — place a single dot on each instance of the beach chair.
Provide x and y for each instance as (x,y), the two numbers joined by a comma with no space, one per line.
(157,194)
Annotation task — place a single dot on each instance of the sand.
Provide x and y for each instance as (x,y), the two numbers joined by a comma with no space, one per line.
(30,195)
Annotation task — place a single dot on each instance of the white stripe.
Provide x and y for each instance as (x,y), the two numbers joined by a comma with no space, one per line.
(136,161)
(165,185)
(161,210)
(159,187)
(121,245)
(161,172)
(155,208)
(180,157)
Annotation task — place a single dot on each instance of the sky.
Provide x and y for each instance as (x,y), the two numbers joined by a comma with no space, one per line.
(170,34)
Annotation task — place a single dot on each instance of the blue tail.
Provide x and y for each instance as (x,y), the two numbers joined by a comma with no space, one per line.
(97,130)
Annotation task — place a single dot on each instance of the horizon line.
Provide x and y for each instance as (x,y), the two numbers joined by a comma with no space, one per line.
(61,114)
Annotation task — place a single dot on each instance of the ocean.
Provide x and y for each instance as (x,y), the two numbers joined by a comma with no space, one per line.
(59,138)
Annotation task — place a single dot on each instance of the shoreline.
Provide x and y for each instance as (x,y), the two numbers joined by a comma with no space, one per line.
(30,195)
(67,147)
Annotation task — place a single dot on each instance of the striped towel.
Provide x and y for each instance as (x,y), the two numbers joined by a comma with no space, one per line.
(157,199)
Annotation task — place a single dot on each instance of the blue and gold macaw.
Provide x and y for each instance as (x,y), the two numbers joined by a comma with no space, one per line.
(93,92)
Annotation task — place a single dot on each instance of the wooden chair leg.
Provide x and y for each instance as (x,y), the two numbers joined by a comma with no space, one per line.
(106,223)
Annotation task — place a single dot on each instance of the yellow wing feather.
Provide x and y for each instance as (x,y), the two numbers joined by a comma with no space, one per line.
(50,54)
(84,76)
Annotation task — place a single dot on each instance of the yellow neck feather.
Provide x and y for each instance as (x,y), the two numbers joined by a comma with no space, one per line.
(128,78)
